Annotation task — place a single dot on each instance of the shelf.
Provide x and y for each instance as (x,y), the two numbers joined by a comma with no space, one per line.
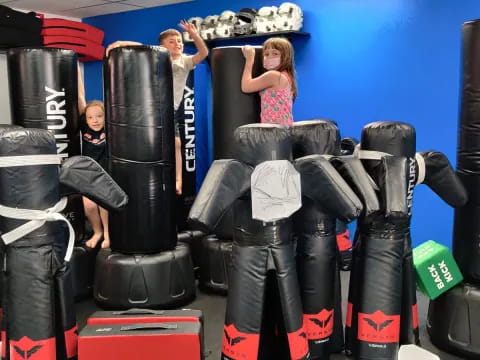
(288,34)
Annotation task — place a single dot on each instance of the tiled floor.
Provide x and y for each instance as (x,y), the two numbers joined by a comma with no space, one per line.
(213,307)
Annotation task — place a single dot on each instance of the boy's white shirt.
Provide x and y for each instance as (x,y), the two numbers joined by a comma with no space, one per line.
(180,68)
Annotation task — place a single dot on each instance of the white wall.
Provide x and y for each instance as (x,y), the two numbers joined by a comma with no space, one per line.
(5,114)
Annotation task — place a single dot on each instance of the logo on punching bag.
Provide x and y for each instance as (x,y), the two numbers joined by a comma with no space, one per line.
(412,179)
(57,121)
(319,326)
(189,107)
(27,348)
(378,327)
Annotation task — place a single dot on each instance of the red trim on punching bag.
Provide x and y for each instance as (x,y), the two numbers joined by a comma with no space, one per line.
(298,344)
(378,327)
(348,321)
(415,316)
(343,241)
(319,326)
(238,345)
(71,342)
(26,348)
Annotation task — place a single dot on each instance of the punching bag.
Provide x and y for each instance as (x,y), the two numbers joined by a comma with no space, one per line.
(231,107)
(44,95)
(139,123)
(30,259)
(382,299)
(316,242)
(466,234)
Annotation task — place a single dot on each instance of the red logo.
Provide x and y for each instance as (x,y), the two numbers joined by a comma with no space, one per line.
(378,327)
(298,344)
(26,349)
(71,342)
(319,326)
(238,345)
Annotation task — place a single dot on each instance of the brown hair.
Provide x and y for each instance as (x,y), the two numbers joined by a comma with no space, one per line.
(287,62)
(94,103)
(169,32)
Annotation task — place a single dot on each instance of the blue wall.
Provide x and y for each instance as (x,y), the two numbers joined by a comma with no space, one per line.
(366,60)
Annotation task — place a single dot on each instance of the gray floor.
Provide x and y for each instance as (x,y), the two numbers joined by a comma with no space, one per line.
(213,307)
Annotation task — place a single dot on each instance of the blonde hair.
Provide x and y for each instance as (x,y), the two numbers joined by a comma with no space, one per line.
(169,32)
(287,62)
(94,103)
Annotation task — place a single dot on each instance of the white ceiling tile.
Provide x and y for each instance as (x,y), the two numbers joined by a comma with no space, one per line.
(152,3)
(54,5)
(109,8)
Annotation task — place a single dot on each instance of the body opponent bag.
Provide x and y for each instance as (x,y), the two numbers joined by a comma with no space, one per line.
(263,242)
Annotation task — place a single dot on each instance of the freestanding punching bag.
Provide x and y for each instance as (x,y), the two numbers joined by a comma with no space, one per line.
(231,107)
(382,309)
(453,317)
(263,239)
(30,260)
(44,95)
(316,243)
(139,122)
(145,267)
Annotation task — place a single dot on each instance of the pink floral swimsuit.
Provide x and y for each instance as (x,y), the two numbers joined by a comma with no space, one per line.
(277,105)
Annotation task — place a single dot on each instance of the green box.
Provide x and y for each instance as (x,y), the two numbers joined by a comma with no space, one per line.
(436,269)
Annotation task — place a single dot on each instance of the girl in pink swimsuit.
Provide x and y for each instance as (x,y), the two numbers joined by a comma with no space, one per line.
(277,85)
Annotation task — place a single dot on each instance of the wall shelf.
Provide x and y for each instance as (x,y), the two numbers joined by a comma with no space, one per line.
(223,41)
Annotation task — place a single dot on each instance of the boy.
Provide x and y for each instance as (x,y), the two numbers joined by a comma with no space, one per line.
(182,64)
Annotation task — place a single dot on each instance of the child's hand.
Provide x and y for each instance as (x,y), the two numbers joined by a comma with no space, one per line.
(178,187)
(248,52)
(189,28)
(120,44)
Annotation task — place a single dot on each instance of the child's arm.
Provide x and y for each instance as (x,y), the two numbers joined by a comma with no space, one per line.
(178,166)
(264,81)
(202,49)
(121,43)
(81,92)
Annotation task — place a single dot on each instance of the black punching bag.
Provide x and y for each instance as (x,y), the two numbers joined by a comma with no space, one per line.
(466,235)
(30,259)
(315,230)
(231,107)
(139,122)
(44,93)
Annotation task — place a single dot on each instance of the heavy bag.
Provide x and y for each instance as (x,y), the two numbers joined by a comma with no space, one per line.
(139,112)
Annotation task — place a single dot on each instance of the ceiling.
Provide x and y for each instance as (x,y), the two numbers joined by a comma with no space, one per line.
(85,8)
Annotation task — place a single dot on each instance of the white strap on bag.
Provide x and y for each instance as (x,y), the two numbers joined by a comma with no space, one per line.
(37,217)
(421,168)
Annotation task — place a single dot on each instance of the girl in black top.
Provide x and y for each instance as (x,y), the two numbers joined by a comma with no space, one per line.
(93,145)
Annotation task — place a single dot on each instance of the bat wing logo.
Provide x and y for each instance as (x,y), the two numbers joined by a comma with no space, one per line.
(237,340)
(378,327)
(371,323)
(384,324)
(27,353)
(227,337)
(233,341)
(321,323)
(317,322)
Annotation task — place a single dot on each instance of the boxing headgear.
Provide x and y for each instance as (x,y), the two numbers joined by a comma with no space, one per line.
(245,23)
